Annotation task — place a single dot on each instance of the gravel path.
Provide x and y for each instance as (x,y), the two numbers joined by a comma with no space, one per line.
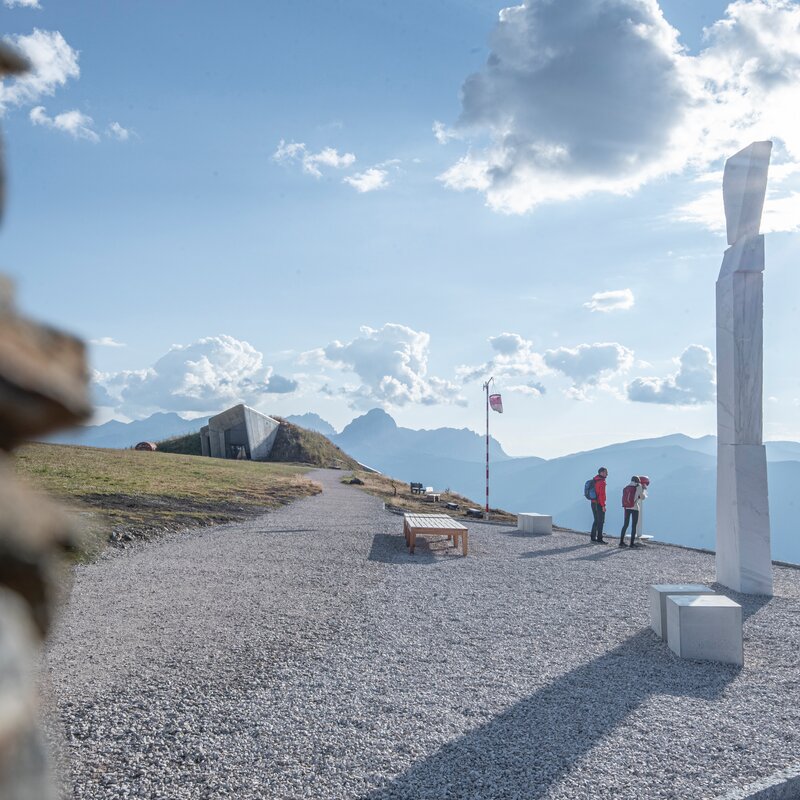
(305,654)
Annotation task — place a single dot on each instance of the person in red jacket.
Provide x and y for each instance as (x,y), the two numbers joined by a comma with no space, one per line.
(599,506)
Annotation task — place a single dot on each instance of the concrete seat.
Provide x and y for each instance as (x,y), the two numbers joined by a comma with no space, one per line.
(531,522)
(705,628)
(658,602)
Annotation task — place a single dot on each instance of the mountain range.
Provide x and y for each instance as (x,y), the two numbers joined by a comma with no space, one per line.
(680,507)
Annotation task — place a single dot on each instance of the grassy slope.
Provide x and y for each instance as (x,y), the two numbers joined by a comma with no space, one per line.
(142,492)
(292,444)
(398,493)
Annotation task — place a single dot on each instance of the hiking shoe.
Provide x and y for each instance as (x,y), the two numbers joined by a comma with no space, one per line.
(602,541)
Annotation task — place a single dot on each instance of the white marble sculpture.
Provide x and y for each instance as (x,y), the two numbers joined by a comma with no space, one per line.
(743,547)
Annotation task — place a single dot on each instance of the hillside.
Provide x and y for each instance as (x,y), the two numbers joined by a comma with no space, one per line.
(293,444)
(135,494)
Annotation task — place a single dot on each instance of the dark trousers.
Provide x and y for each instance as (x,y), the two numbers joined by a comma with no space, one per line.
(630,514)
(599,514)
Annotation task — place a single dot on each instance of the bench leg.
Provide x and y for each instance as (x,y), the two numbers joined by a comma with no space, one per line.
(412,541)
(455,539)
(464,542)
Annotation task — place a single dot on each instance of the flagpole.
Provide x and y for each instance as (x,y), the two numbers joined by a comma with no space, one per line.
(486,388)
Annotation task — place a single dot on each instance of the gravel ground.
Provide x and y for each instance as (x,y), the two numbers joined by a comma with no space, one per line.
(306,654)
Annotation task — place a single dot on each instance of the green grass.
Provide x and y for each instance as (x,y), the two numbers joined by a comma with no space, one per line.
(131,493)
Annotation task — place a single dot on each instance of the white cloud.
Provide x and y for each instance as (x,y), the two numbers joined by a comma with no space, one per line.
(288,152)
(369,180)
(107,341)
(203,377)
(75,123)
(515,357)
(692,384)
(118,132)
(392,364)
(279,384)
(53,63)
(583,96)
(23,3)
(444,134)
(617,300)
(781,211)
(586,364)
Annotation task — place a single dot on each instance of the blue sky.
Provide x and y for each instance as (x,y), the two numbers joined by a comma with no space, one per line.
(334,206)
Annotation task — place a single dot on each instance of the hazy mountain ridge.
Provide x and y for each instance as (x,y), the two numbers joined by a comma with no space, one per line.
(680,508)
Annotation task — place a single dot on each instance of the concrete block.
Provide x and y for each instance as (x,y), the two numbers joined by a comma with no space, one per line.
(658,601)
(531,522)
(705,628)
(743,557)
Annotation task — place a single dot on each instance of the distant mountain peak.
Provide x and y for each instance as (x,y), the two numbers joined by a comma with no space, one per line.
(374,423)
(312,422)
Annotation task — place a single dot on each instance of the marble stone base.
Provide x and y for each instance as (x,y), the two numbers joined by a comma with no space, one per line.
(658,601)
(743,556)
(530,522)
(705,628)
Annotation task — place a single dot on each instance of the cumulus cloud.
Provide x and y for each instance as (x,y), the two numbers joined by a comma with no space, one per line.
(692,384)
(107,341)
(584,96)
(53,63)
(203,377)
(278,384)
(117,131)
(369,180)
(75,123)
(617,300)
(392,365)
(514,357)
(289,152)
(586,364)
(23,3)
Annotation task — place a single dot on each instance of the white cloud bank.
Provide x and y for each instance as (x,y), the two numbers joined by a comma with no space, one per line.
(75,123)
(53,63)
(369,180)
(22,3)
(581,96)
(693,383)
(617,300)
(289,152)
(587,365)
(392,365)
(203,377)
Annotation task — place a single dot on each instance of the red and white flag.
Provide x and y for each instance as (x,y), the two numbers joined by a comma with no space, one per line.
(496,403)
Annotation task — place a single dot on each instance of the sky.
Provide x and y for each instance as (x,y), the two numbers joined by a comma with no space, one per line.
(337,206)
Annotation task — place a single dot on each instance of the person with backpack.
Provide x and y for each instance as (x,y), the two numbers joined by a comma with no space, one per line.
(632,496)
(594,490)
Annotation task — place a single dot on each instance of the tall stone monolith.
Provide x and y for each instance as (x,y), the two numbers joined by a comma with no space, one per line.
(743,543)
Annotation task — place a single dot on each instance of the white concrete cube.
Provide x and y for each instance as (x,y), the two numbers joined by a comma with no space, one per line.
(530,522)
(705,628)
(658,602)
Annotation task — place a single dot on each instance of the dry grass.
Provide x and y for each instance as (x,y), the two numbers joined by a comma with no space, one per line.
(398,494)
(126,493)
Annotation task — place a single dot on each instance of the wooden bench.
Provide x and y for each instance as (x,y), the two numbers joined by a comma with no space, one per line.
(434,525)
(475,512)
(431,496)
(417,488)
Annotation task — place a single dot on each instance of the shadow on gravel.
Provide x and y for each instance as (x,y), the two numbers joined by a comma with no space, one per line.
(524,751)
(597,555)
(552,551)
(391,549)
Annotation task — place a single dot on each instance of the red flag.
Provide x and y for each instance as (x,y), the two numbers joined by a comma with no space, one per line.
(496,403)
